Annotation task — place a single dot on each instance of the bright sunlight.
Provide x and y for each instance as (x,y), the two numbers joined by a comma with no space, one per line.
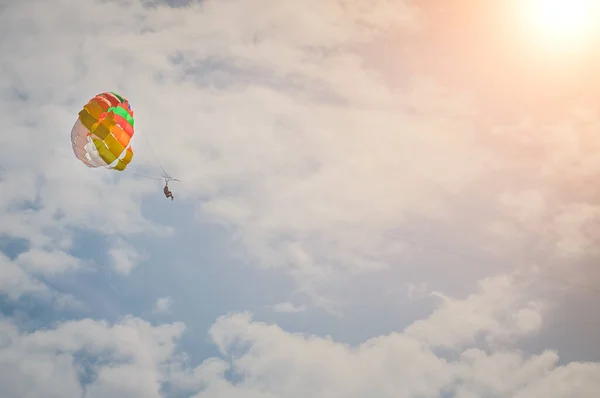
(560,23)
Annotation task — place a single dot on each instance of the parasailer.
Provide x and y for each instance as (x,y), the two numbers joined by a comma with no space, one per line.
(168,193)
(102,133)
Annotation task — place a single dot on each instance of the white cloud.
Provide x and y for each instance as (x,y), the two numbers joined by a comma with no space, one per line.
(133,358)
(498,312)
(20,277)
(287,307)
(124,359)
(417,291)
(163,304)
(270,362)
(14,281)
(47,262)
(124,256)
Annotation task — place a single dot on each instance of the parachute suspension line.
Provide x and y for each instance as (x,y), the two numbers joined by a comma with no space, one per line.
(156,157)
(145,176)
(165,176)
(169,178)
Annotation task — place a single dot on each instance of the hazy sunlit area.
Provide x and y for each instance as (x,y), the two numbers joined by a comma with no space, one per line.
(561,22)
(365,199)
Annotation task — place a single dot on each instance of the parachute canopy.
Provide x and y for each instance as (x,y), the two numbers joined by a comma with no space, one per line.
(102,133)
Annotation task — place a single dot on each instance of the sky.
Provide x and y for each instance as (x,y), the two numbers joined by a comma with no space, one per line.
(378,199)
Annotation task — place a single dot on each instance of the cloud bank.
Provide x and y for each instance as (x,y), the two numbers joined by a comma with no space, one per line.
(375,154)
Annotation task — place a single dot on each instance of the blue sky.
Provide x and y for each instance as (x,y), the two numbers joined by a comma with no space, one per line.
(378,199)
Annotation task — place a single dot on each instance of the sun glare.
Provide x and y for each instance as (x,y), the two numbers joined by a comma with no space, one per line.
(561,21)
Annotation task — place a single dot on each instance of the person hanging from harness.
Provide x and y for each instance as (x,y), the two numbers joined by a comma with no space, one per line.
(168,193)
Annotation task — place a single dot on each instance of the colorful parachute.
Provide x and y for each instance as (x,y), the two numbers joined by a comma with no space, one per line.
(101,135)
